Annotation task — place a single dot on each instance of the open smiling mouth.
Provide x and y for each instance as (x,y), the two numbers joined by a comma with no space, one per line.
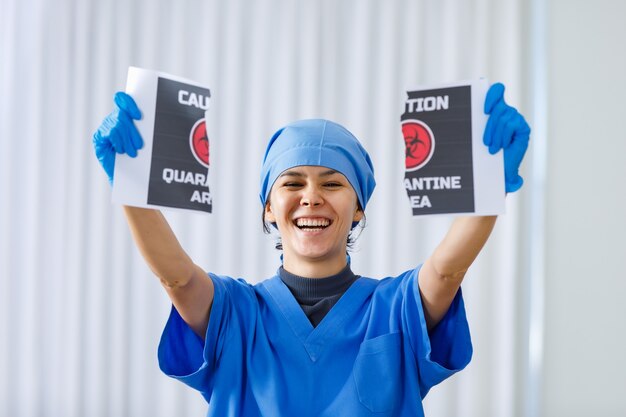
(312,224)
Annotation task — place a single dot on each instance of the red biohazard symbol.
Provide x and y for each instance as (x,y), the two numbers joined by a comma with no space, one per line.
(199,142)
(419,144)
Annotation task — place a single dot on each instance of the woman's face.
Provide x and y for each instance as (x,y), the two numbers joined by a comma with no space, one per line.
(313,208)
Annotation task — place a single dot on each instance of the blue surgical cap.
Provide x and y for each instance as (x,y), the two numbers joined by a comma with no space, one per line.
(318,142)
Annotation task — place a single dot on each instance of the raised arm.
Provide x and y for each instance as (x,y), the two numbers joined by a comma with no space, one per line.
(187,285)
(441,275)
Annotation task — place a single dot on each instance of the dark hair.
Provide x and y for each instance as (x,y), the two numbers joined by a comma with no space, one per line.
(352,236)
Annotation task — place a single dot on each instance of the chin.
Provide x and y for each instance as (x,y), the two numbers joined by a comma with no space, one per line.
(318,253)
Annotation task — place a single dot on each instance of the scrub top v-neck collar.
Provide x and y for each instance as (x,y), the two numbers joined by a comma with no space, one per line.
(314,339)
(316,296)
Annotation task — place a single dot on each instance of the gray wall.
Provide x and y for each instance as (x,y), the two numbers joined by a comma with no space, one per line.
(585,312)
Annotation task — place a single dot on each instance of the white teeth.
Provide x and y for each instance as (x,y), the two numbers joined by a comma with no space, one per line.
(312,222)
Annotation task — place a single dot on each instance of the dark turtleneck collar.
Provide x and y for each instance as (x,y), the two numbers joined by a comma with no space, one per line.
(318,287)
(317,296)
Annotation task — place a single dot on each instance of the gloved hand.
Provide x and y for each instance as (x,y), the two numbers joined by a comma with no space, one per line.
(506,129)
(118,133)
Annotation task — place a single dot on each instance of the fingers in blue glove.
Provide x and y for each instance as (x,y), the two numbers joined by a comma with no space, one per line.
(134,141)
(135,138)
(515,130)
(489,137)
(494,95)
(116,137)
(125,132)
(126,103)
(504,121)
(129,148)
(514,184)
(117,133)
(494,106)
(504,129)
(128,112)
(105,154)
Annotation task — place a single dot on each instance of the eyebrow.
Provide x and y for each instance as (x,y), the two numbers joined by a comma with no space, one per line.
(295,173)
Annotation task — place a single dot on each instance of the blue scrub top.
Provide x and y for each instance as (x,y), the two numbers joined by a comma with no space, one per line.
(371,355)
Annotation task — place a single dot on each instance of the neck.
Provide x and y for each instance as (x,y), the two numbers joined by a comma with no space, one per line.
(314,268)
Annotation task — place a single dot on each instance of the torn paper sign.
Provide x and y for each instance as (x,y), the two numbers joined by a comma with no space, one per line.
(172,169)
(448,169)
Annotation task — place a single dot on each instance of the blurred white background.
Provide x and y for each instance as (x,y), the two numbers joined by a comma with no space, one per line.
(80,313)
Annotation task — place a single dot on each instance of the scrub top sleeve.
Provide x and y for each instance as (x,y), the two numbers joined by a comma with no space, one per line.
(183,355)
(450,340)
(444,350)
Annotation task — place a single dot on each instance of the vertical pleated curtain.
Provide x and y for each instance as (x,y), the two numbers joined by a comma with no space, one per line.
(81,314)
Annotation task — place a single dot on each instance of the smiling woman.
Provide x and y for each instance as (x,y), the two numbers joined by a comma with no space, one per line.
(314,209)
(316,339)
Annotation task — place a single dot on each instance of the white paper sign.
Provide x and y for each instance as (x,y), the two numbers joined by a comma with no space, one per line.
(448,169)
(172,169)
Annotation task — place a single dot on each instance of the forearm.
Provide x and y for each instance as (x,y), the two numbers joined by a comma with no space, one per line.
(441,275)
(159,246)
(186,283)
(461,245)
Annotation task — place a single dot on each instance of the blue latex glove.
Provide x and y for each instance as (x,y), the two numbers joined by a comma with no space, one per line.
(118,133)
(506,129)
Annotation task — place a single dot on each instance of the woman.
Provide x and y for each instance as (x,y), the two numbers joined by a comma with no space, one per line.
(316,339)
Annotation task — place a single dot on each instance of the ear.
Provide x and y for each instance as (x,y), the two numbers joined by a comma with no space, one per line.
(358,215)
(269,216)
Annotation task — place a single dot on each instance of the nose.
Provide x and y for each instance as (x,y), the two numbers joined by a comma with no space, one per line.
(311,198)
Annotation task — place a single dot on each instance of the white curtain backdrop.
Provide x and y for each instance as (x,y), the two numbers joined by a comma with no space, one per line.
(81,314)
